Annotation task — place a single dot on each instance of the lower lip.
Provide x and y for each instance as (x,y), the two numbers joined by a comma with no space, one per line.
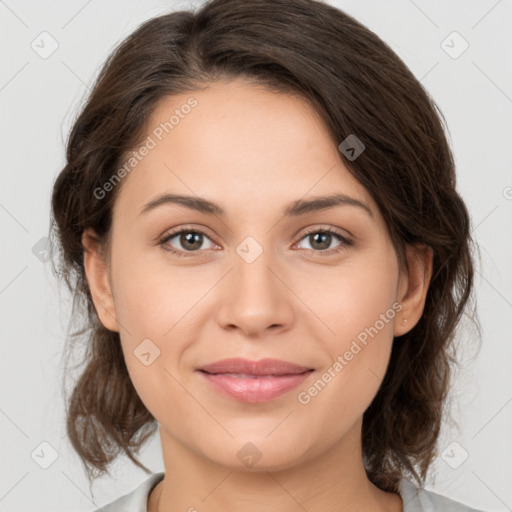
(255,390)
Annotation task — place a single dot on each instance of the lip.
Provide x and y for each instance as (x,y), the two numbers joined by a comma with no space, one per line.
(262,367)
(254,381)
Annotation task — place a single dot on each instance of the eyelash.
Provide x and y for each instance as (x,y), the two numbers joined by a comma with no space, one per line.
(345,242)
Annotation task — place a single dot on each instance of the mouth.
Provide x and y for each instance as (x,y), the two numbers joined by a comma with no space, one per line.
(264,367)
(251,376)
(254,381)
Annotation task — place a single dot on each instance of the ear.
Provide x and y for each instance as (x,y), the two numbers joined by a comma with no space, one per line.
(96,271)
(413,287)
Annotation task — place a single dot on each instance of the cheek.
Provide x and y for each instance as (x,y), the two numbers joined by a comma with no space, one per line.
(360,308)
(151,308)
(354,297)
(159,303)
(151,297)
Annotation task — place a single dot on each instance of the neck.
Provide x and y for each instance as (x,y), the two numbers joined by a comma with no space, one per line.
(323,483)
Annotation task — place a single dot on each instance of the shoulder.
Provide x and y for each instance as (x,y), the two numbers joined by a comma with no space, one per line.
(134,501)
(421,500)
(415,499)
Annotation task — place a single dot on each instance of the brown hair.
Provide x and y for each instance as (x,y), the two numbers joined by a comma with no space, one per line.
(358,85)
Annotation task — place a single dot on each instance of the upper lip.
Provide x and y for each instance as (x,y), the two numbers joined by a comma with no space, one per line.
(261,367)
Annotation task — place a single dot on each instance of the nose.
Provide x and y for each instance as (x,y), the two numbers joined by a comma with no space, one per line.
(256,298)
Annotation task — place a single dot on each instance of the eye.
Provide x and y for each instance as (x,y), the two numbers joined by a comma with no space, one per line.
(321,239)
(190,240)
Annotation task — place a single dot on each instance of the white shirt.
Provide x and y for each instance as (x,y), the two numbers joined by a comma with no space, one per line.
(414,499)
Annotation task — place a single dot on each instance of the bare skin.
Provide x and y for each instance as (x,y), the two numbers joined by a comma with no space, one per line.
(253,152)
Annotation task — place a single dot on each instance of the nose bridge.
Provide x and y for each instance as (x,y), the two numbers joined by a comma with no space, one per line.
(256,299)
(252,271)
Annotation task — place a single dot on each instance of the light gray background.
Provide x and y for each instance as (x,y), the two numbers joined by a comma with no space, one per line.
(39,98)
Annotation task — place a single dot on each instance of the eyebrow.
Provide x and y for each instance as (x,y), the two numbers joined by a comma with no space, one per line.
(295,209)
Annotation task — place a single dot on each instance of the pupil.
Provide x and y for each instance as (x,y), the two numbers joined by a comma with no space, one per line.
(323,238)
(188,239)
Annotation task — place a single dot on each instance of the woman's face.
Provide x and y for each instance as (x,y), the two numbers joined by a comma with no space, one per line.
(263,281)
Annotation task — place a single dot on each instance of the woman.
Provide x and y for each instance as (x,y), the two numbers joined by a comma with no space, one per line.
(258,213)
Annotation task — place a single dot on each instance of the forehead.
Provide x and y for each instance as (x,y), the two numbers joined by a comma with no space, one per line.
(241,142)
(241,118)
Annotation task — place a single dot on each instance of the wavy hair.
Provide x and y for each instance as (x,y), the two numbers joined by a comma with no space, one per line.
(358,85)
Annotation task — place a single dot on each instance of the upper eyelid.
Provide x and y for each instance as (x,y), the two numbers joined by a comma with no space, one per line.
(172,233)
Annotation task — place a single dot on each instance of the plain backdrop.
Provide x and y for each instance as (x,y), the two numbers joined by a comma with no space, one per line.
(39,96)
